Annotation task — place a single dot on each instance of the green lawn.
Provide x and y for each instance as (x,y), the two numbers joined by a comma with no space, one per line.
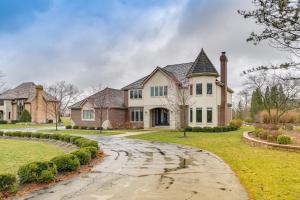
(15,153)
(266,174)
(89,132)
(23,125)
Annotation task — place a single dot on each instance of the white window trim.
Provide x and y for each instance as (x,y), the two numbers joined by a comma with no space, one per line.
(139,111)
(88,110)
(163,91)
(198,95)
(212,90)
(137,90)
(201,116)
(212,115)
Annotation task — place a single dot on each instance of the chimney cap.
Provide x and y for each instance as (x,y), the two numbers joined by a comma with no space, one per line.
(223,52)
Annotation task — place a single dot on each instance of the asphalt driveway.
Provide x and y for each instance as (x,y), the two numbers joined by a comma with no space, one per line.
(142,170)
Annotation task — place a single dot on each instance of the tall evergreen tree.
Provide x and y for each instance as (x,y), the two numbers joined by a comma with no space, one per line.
(256,103)
(273,96)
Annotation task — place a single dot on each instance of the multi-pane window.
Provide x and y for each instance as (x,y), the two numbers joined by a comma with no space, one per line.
(88,114)
(199,115)
(191,90)
(136,94)
(159,91)
(198,88)
(137,115)
(191,115)
(20,108)
(209,115)
(209,88)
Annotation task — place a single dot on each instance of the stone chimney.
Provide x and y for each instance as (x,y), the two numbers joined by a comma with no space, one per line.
(39,105)
(223,107)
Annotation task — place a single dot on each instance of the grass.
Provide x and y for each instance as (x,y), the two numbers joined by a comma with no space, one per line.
(266,174)
(15,153)
(89,132)
(24,125)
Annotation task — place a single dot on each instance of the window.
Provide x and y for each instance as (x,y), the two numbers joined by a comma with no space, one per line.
(136,94)
(131,94)
(20,108)
(191,115)
(152,91)
(209,88)
(88,114)
(191,90)
(199,115)
(209,115)
(156,91)
(1,102)
(165,90)
(137,115)
(198,88)
(159,91)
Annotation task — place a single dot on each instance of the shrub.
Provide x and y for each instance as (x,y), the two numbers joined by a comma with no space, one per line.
(257,132)
(8,182)
(14,121)
(25,116)
(91,128)
(289,117)
(270,138)
(75,127)
(284,139)
(74,138)
(82,142)
(37,135)
(45,135)
(99,128)
(264,134)
(83,127)
(66,138)
(83,155)
(92,150)
(68,127)
(1,133)
(37,172)
(3,122)
(55,136)
(236,122)
(68,162)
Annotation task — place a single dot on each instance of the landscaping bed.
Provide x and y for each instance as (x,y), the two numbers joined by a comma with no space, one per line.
(44,172)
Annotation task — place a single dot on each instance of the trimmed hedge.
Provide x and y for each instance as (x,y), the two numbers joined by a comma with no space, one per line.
(66,163)
(68,127)
(8,183)
(284,139)
(37,172)
(212,129)
(44,172)
(83,155)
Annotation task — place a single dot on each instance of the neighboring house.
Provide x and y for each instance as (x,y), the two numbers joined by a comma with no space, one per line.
(152,100)
(31,97)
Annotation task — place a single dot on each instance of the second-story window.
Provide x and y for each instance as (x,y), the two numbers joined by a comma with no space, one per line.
(209,88)
(136,94)
(158,91)
(198,88)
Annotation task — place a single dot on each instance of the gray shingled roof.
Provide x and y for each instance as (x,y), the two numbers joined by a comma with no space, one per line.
(202,65)
(108,97)
(24,91)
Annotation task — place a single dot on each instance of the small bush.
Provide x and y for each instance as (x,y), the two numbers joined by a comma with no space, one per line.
(2,133)
(74,138)
(55,136)
(270,138)
(68,127)
(91,128)
(37,135)
(83,155)
(75,127)
(45,135)
(68,162)
(188,129)
(14,121)
(37,172)
(8,183)
(264,134)
(92,150)
(99,128)
(26,134)
(236,122)
(284,139)
(257,132)
(25,116)
(83,127)
(3,122)
(83,142)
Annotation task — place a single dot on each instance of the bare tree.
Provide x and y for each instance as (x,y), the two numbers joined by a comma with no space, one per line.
(2,83)
(244,94)
(65,93)
(178,100)
(282,99)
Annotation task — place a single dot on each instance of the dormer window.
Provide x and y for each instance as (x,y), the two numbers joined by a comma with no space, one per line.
(136,94)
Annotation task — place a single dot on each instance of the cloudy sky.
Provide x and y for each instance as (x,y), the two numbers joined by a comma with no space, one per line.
(87,42)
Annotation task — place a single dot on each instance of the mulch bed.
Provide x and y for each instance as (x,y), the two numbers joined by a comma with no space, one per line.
(32,187)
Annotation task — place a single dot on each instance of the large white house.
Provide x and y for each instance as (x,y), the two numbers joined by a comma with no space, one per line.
(174,96)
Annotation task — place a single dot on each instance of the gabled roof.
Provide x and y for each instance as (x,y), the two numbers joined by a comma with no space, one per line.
(165,72)
(177,71)
(202,66)
(108,97)
(25,91)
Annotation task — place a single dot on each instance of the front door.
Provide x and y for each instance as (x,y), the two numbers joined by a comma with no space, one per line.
(161,117)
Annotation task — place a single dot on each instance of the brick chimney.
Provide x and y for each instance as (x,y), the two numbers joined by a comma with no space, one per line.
(223,107)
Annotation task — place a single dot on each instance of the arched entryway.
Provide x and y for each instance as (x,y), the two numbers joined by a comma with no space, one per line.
(160,117)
